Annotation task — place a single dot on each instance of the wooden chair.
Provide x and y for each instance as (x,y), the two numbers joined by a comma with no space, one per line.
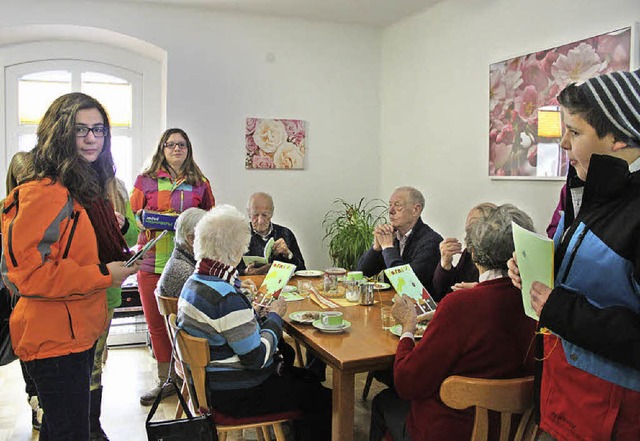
(168,306)
(194,355)
(509,397)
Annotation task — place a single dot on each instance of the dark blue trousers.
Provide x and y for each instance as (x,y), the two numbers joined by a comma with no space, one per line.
(63,391)
(389,413)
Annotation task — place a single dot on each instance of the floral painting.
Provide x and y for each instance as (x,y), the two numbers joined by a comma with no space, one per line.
(275,143)
(521,85)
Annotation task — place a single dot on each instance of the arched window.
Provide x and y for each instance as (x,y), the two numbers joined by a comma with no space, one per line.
(33,86)
(127,84)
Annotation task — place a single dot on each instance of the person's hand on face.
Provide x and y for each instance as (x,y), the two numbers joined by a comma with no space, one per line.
(253,270)
(448,248)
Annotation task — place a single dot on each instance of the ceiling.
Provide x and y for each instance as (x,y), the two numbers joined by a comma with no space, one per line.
(377,13)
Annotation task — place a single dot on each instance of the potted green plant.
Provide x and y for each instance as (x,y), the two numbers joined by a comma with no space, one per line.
(349,229)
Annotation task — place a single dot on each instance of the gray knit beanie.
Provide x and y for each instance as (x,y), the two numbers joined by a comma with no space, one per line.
(617,95)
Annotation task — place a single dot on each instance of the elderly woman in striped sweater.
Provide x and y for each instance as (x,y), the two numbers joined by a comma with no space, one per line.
(245,376)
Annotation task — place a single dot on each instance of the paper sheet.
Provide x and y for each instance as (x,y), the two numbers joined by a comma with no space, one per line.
(535,262)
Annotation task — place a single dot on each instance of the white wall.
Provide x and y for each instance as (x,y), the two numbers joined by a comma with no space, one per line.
(219,73)
(435,88)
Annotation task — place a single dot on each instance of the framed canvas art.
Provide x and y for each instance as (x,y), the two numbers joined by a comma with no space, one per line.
(524,115)
(275,143)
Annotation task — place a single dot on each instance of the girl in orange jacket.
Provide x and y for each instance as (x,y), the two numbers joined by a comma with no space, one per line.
(61,250)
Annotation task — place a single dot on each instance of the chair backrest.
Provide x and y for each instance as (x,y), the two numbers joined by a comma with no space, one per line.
(509,397)
(193,354)
(167,305)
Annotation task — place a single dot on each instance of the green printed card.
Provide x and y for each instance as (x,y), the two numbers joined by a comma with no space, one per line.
(534,254)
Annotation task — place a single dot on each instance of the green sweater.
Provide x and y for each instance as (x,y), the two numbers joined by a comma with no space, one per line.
(114,295)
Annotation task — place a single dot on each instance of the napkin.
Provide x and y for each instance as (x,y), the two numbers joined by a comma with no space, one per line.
(320,300)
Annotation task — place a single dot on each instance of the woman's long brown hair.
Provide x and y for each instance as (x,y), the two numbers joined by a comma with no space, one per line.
(189,171)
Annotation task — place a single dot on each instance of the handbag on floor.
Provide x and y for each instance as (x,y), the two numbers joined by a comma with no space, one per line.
(191,428)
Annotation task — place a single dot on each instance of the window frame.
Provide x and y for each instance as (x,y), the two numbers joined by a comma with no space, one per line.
(146,75)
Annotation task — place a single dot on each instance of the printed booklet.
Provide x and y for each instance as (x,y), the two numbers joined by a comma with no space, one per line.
(276,279)
(260,260)
(405,281)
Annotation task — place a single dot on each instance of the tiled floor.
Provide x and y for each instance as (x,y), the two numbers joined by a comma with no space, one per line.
(128,372)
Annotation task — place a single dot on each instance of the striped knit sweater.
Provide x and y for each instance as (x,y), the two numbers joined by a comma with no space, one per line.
(242,346)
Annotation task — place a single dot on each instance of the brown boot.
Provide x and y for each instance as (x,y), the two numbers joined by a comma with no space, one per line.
(149,397)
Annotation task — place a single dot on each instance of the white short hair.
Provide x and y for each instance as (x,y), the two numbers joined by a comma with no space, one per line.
(186,224)
(415,196)
(222,234)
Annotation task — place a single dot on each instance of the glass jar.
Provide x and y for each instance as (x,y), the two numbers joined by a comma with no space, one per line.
(352,290)
(332,278)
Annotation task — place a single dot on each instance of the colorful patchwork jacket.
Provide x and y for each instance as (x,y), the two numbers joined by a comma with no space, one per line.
(165,194)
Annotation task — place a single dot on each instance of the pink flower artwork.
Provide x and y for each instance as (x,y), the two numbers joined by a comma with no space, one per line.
(520,86)
(275,143)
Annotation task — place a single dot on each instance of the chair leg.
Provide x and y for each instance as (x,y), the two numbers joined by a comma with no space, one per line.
(299,354)
(367,386)
(260,434)
(279,431)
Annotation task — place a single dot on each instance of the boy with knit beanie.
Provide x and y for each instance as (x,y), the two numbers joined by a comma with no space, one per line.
(588,377)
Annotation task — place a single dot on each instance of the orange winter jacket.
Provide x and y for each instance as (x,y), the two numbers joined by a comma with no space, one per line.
(50,259)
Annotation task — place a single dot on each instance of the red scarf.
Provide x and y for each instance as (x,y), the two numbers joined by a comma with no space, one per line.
(111,244)
(223,271)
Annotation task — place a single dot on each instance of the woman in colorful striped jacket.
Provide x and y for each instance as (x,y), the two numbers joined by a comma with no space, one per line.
(171,184)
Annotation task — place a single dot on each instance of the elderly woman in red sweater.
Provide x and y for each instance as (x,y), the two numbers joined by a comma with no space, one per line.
(480,332)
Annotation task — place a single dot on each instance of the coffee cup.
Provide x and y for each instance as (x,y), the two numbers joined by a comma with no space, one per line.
(332,319)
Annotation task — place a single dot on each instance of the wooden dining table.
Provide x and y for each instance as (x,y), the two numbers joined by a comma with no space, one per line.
(364,347)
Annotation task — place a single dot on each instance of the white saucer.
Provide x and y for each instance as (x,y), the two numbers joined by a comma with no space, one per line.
(299,316)
(332,330)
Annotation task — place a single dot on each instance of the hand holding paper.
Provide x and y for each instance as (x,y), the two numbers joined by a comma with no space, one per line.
(535,264)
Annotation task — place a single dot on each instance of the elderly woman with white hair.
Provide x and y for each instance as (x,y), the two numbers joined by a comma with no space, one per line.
(245,377)
(479,332)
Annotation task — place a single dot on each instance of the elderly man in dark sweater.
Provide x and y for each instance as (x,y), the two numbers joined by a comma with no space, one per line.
(407,239)
(285,248)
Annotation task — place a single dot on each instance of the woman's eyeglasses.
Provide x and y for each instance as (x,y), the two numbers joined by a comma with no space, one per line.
(98,131)
(171,145)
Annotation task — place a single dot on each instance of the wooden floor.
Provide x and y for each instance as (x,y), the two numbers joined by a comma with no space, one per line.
(128,373)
